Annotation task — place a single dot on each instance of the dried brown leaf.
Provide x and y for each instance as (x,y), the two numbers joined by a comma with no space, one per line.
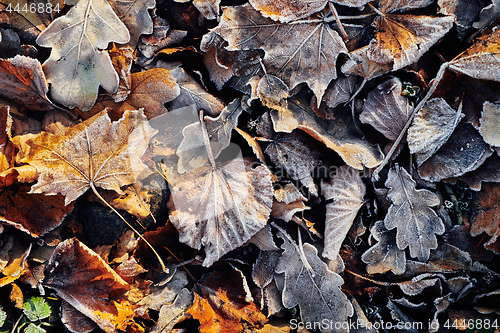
(486,216)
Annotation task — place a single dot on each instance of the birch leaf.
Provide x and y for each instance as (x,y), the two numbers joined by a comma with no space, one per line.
(97,153)
(386,109)
(490,124)
(481,60)
(385,255)
(411,214)
(431,128)
(77,66)
(347,191)
(311,285)
(310,58)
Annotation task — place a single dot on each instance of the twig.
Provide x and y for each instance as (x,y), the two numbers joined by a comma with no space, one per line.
(385,284)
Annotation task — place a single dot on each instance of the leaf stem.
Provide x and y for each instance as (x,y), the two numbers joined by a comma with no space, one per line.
(206,140)
(336,15)
(130,226)
(432,89)
(385,284)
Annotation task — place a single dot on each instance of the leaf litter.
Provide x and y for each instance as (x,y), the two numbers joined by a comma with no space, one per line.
(362,185)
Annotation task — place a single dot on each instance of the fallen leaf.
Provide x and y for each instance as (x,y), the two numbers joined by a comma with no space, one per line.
(16,296)
(170,314)
(465,12)
(431,128)
(347,191)
(489,171)
(286,11)
(135,16)
(488,14)
(263,238)
(336,133)
(95,153)
(24,83)
(122,59)
(82,278)
(311,59)
(134,200)
(74,320)
(16,261)
(385,255)
(208,8)
(400,39)
(490,123)
(76,67)
(341,90)
(231,205)
(359,64)
(411,214)
(486,216)
(192,151)
(464,151)
(223,309)
(386,109)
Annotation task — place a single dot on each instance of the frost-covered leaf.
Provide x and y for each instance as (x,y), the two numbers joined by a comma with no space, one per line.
(311,285)
(431,128)
(77,66)
(341,90)
(486,216)
(359,64)
(208,8)
(97,152)
(386,109)
(488,14)
(400,39)
(489,171)
(134,14)
(36,309)
(490,123)
(288,10)
(310,59)
(170,314)
(465,12)
(411,214)
(385,255)
(222,205)
(347,191)
(481,60)
(192,151)
(464,151)
(337,133)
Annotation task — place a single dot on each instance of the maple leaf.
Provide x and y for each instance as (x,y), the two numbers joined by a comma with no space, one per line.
(311,285)
(220,206)
(134,14)
(386,109)
(411,214)
(402,39)
(310,59)
(23,82)
(385,255)
(84,280)
(223,308)
(347,191)
(95,153)
(76,67)
(431,128)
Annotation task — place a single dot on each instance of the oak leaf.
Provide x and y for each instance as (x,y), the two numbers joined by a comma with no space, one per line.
(490,123)
(77,66)
(311,285)
(95,153)
(135,16)
(386,109)
(385,255)
(222,307)
(84,280)
(347,191)
(222,205)
(411,214)
(311,59)
(400,39)
(431,128)
(23,82)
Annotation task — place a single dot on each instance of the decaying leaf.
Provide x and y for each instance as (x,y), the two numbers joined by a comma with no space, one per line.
(311,59)
(208,8)
(220,206)
(77,66)
(341,90)
(488,14)
(385,255)
(286,11)
(23,82)
(192,151)
(337,133)
(223,309)
(122,59)
(170,314)
(411,214)
(386,109)
(311,285)
(486,216)
(464,151)
(134,14)
(74,320)
(465,12)
(95,153)
(84,280)
(490,123)
(347,191)
(400,39)
(431,128)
